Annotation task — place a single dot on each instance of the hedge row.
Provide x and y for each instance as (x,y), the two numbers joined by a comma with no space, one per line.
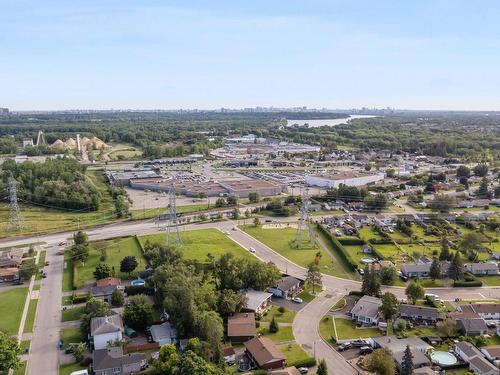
(133,290)
(351,241)
(339,248)
(306,362)
(465,284)
(384,241)
(74,276)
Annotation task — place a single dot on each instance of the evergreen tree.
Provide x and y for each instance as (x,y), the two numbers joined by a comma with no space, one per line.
(483,192)
(374,284)
(445,250)
(456,270)
(407,363)
(273,326)
(435,271)
(322,369)
(366,285)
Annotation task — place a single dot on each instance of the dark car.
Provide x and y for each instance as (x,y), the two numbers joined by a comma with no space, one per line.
(359,343)
(365,350)
(344,346)
(17,282)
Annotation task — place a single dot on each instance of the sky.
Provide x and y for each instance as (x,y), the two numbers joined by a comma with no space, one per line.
(144,54)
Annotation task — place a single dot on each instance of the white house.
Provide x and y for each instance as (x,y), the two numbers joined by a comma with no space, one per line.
(365,311)
(257,301)
(105,330)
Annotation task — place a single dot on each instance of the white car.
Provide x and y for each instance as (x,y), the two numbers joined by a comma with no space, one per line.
(251,249)
(297,300)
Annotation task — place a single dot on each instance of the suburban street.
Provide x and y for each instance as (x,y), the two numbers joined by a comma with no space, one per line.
(44,348)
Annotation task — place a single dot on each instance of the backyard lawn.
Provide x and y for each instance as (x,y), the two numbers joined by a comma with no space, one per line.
(11,309)
(285,317)
(490,280)
(197,244)
(21,370)
(116,249)
(279,240)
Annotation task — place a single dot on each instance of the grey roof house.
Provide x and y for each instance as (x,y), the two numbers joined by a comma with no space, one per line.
(418,313)
(287,287)
(480,366)
(481,268)
(466,351)
(112,361)
(365,311)
(472,326)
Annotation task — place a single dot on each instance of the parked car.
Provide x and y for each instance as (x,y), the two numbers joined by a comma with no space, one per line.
(297,300)
(63,243)
(303,370)
(251,249)
(365,350)
(361,271)
(359,343)
(17,282)
(344,346)
(47,263)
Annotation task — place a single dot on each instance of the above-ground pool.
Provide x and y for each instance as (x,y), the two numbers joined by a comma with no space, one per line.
(138,282)
(443,358)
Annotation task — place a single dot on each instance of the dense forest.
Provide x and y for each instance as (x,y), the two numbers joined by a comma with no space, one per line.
(58,183)
(474,136)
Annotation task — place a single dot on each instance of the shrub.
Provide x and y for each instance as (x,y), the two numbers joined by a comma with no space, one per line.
(351,241)
(306,362)
(467,284)
(281,309)
(356,293)
(133,290)
(79,298)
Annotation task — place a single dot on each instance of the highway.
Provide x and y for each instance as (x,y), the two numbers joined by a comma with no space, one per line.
(44,349)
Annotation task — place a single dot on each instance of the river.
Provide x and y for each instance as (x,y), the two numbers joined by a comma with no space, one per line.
(326,122)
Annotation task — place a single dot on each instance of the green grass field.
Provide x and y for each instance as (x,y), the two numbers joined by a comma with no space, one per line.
(346,329)
(294,353)
(30,318)
(11,309)
(116,249)
(71,335)
(72,313)
(68,369)
(285,317)
(198,243)
(284,333)
(21,370)
(280,239)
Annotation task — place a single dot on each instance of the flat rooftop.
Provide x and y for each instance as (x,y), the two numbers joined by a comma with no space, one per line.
(345,175)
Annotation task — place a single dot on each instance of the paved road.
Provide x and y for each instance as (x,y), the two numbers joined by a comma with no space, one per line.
(44,353)
(43,357)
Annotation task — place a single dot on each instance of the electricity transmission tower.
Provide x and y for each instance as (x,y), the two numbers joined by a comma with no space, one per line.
(303,226)
(172,228)
(15,219)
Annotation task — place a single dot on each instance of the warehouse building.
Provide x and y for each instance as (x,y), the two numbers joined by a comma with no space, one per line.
(242,188)
(349,178)
(124,178)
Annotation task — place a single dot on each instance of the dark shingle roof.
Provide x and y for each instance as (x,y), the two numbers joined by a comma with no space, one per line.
(113,357)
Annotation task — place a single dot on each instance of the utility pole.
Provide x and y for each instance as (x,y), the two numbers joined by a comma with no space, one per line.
(15,219)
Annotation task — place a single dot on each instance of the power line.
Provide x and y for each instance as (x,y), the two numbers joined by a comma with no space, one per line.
(173,236)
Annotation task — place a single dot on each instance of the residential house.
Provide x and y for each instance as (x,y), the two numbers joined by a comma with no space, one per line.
(419,314)
(365,311)
(360,220)
(285,371)
(9,274)
(382,220)
(257,301)
(418,348)
(492,353)
(264,353)
(488,311)
(496,255)
(106,329)
(465,204)
(104,288)
(287,287)
(11,258)
(241,327)
(423,260)
(466,351)
(480,366)
(481,269)
(472,327)
(112,361)
(415,270)
(424,371)
(163,333)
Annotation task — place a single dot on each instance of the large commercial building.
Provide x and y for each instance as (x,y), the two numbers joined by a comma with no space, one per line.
(126,177)
(349,178)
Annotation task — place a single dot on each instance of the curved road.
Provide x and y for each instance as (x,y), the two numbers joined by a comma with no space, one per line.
(44,352)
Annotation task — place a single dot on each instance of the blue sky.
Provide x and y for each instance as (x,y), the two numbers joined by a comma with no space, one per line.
(439,54)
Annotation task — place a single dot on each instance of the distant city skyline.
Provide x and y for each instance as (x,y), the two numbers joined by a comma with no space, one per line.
(425,55)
